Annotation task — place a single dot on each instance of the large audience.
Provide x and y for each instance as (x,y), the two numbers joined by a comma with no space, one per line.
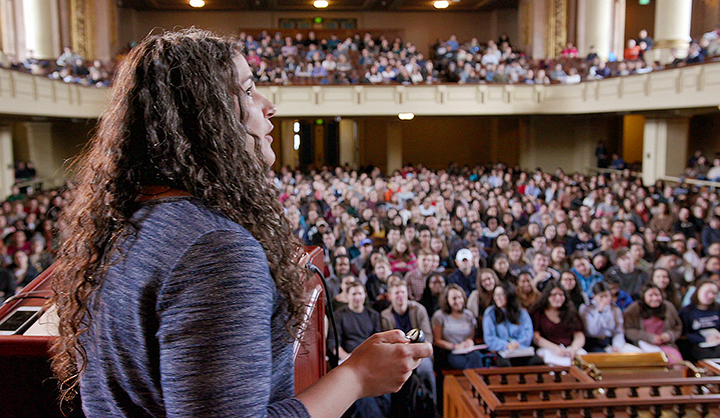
(69,67)
(499,266)
(379,59)
(28,232)
(496,266)
(372,59)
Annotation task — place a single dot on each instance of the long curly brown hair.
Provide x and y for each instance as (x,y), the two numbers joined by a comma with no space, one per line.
(172,121)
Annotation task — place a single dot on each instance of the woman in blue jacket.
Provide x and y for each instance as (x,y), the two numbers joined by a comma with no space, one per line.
(507,328)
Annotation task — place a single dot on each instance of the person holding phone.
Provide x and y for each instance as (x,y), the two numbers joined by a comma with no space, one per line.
(179,288)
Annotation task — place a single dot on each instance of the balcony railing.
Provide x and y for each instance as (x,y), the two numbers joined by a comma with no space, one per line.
(688,87)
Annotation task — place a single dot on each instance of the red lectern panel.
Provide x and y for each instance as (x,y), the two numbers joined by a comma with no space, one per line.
(28,390)
(309,353)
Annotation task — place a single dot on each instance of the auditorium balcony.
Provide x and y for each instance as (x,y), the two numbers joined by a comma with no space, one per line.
(695,86)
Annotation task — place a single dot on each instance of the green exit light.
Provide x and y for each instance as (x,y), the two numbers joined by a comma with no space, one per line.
(319,121)
(318,20)
(644,2)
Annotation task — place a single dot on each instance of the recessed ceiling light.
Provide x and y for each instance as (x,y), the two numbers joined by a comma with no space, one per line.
(320,4)
(441,4)
(406,116)
(197,3)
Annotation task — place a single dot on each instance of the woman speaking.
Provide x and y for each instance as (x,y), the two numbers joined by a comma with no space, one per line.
(179,289)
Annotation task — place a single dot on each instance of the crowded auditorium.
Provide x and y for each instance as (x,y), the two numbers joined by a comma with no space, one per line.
(401,208)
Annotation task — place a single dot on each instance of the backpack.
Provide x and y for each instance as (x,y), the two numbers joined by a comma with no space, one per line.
(414,400)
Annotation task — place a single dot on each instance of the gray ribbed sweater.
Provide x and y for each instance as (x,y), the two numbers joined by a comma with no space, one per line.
(188,322)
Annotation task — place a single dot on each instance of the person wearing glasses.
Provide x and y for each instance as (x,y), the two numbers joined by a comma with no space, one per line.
(558,330)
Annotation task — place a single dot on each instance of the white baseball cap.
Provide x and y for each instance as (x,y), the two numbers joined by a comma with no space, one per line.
(464,254)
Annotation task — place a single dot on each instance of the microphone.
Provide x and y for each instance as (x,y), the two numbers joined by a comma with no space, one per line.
(330,312)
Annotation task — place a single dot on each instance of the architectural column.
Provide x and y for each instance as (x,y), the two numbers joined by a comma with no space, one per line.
(106,44)
(7,27)
(348,143)
(394,146)
(12,27)
(42,28)
(7,163)
(532,16)
(82,27)
(672,28)
(665,148)
(618,34)
(596,25)
(556,28)
(287,138)
(40,149)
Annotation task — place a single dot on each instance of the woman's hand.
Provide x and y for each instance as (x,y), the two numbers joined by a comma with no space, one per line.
(657,340)
(400,265)
(560,351)
(570,352)
(465,344)
(513,345)
(384,362)
(665,337)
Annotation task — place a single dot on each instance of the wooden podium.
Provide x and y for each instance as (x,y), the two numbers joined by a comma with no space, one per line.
(569,392)
(27,388)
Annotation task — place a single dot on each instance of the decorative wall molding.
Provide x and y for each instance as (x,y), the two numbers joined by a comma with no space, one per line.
(29,95)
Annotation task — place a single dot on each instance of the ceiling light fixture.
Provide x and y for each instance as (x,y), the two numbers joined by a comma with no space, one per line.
(320,4)
(406,116)
(441,4)
(197,3)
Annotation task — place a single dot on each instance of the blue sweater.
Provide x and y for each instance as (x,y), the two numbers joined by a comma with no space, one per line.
(695,320)
(188,322)
(497,336)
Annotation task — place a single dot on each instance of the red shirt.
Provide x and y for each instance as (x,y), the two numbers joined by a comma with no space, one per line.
(555,333)
(632,53)
(619,242)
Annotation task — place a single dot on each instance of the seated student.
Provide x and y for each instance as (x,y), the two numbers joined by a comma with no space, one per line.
(670,292)
(507,326)
(620,298)
(481,297)
(691,290)
(376,284)
(341,299)
(516,258)
(701,321)
(585,273)
(501,266)
(22,269)
(466,274)
(454,329)
(431,296)
(569,282)
(402,260)
(541,271)
(526,292)
(405,314)
(439,247)
(603,323)
(653,321)
(355,324)
(7,284)
(428,262)
(558,330)
(630,277)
